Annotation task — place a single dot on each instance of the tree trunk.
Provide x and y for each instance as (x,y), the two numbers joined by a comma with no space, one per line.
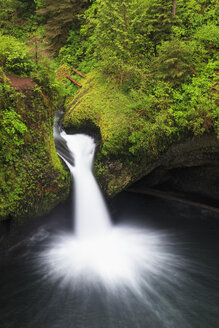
(125,17)
(174,8)
(193,71)
(204,5)
(36,52)
(125,23)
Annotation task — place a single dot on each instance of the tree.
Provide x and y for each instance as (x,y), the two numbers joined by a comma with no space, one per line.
(174,8)
(194,14)
(7,12)
(119,39)
(14,56)
(26,8)
(18,17)
(59,18)
(160,20)
(175,61)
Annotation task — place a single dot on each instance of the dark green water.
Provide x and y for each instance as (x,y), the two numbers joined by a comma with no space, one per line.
(183,292)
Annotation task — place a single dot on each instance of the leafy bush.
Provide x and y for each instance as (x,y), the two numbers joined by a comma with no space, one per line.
(208,34)
(14,56)
(12,135)
(175,61)
(71,52)
(45,77)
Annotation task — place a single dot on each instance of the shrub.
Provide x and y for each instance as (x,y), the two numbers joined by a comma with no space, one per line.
(14,56)
(175,61)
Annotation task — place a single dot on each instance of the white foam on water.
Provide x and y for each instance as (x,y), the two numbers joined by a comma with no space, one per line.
(119,258)
(98,251)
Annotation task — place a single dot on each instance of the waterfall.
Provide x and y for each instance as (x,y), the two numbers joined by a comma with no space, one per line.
(91,215)
(98,252)
(153,268)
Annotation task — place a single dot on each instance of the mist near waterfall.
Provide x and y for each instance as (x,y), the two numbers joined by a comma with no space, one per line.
(97,252)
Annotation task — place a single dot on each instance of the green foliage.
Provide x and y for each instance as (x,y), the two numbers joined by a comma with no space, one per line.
(7,8)
(12,135)
(195,106)
(7,12)
(71,52)
(139,125)
(14,56)
(45,77)
(194,14)
(39,3)
(208,34)
(17,18)
(175,60)
(60,19)
(159,21)
(153,83)
(32,178)
(116,36)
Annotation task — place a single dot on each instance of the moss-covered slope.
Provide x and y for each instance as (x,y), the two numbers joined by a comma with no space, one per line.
(138,130)
(32,178)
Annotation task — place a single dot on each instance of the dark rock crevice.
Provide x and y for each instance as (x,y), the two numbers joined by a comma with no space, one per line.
(189,170)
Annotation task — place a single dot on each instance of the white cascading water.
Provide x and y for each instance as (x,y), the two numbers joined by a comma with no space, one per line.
(91,215)
(97,251)
(104,275)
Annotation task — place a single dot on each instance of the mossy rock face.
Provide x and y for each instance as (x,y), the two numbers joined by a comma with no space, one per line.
(189,169)
(134,142)
(33,180)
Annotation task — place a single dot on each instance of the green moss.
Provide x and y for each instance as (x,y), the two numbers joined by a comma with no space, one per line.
(33,179)
(138,126)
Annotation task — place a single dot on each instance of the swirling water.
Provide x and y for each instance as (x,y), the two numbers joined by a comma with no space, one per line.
(155,266)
